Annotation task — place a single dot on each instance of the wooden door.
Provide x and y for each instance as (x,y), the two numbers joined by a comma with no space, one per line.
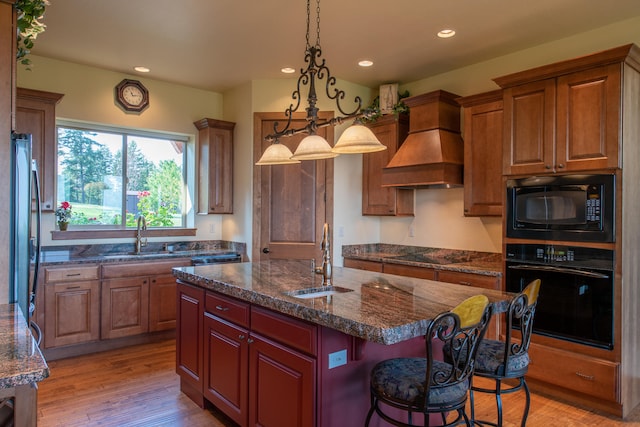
(282,385)
(291,202)
(529,138)
(588,109)
(189,352)
(162,302)
(125,307)
(226,367)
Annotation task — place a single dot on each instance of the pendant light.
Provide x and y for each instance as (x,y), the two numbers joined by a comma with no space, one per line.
(314,147)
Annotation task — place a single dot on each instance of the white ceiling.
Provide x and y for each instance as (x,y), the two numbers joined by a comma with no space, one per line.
(219,44)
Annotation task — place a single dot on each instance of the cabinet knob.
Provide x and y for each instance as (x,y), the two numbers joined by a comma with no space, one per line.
(249,341)
(241,337)
(547,166)
(561,166)
(265,250)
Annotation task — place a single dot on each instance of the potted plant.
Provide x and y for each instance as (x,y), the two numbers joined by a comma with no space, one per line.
(63,214)
(30,12)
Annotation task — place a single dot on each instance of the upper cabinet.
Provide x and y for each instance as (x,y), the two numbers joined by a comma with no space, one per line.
(215,166)
(391,130)
(564,116)
(483,130)
(36,115)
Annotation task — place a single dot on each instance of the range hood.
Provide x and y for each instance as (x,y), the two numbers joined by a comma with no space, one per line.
(432,155)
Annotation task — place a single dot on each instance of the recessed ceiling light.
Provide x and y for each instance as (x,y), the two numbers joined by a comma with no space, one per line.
(446,33)
(141,69)
(365,63)
(288,70)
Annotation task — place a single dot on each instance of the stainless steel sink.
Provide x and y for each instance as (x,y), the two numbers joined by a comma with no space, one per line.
(320,292)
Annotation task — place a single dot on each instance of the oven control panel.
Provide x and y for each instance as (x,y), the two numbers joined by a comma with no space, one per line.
(575,256)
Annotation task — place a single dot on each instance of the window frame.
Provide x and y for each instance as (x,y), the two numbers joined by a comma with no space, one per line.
(122,231)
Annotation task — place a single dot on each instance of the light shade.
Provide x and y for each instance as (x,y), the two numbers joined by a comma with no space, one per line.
(313,147)
(276,154)
(358,139)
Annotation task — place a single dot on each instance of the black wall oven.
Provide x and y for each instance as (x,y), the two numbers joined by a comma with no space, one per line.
(576,294)
(577,207)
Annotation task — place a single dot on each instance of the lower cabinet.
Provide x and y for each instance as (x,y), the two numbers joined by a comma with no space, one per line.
(259,366)
(72,305)
(162,302)
(125,307)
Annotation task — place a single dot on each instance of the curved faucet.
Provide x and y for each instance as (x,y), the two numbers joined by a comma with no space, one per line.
(326,269)
(142,226)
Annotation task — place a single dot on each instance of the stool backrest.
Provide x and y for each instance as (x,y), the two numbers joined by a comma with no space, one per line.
(520,317)
(460,331)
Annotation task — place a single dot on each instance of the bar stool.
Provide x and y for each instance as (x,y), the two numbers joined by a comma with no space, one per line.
(425,385)
(499,360)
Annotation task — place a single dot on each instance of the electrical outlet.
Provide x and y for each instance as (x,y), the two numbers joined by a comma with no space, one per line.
(337,358)
(411,231)
(341,231)
(212,228)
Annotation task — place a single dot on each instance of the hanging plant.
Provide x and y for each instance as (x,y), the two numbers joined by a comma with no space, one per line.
(30,13)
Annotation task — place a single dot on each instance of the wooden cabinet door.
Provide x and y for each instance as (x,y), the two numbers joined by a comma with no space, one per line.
(391,130)
(226,367)
(215,166)
(282,385)
(483,136)
(409,271)
(162,302)
(72,313)
(36,115)
(588,116)
(189,339)
(125,307)
(529,128)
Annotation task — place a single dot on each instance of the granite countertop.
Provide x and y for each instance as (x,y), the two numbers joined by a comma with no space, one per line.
(154,251)
(378,307)
(21,362)
(485,263)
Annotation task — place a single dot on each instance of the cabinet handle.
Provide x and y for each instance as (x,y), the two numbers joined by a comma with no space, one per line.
(73,287)
(249,341)
(221,308)
(585,376)
(241,337)
(466,283)
(72,274)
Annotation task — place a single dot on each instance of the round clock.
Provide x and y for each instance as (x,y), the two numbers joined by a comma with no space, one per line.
(131,95)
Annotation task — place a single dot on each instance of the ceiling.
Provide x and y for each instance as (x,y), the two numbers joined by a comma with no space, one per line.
(220,44)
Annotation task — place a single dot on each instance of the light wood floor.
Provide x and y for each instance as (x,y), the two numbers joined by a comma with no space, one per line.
(137,386)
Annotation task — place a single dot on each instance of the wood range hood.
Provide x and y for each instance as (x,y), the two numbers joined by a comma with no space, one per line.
(432,154)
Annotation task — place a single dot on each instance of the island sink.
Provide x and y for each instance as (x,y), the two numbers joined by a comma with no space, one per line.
(322,291)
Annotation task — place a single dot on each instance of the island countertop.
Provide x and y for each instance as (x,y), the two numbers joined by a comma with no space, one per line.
(378,307)
(21,362)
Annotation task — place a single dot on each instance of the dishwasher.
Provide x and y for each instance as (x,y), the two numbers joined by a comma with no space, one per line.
(221,258)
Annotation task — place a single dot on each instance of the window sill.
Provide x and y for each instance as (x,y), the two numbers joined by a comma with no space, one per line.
(120,234)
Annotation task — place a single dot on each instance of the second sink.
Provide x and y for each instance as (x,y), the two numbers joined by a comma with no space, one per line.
(322,291)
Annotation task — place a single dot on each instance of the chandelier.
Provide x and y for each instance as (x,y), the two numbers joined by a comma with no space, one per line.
(355,139)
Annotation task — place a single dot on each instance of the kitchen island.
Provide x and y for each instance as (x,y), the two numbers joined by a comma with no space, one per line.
(251,344)
(21,367)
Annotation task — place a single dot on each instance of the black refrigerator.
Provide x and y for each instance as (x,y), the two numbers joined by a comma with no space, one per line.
(24,251)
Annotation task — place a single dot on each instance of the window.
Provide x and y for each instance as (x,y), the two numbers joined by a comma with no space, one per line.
(111,176)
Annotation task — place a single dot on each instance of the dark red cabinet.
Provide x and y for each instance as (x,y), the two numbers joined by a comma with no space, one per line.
(189,354)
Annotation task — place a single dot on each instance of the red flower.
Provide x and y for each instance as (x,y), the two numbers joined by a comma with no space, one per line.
(65,205)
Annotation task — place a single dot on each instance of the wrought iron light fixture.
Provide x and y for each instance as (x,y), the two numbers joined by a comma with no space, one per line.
(356,139)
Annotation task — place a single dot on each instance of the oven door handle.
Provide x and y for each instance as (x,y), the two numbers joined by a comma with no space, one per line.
(559,270)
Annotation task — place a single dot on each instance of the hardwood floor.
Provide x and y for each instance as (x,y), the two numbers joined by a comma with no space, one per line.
(137,386)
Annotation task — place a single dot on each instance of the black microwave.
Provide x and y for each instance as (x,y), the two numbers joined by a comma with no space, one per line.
(567,207)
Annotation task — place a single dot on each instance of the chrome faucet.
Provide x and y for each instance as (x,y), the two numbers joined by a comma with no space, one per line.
(326,269)
(140,241)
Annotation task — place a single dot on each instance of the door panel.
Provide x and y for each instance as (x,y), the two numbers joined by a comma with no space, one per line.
(291,202)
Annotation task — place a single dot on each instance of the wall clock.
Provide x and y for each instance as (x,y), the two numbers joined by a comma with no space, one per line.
(131,95)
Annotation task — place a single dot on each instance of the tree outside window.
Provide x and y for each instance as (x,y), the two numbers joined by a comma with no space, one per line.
(111,178)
